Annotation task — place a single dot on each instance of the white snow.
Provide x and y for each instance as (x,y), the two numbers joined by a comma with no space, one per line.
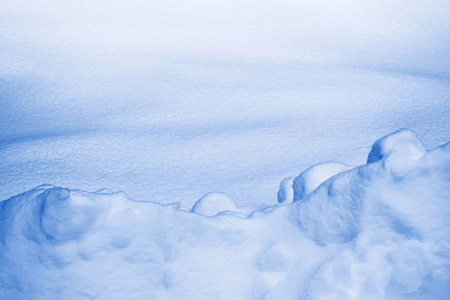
(286,191)
(402,143)
(170,100)
(311,178)
(213,203)
(365,233)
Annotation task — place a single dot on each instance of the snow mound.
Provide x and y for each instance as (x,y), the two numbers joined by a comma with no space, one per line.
(398,229)
(312,177)
(403,142)
(213,203)
(366,233)
(286,192)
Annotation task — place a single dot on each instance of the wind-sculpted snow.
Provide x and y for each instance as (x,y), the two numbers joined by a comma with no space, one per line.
(377,231)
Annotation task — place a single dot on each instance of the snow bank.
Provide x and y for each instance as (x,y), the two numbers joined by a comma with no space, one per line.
(365,233)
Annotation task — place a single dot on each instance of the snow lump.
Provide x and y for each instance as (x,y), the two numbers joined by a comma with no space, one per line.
(403,143)
(213,203)
(312,177)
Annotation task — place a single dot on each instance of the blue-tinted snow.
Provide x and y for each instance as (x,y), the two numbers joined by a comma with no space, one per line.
(378,231)
(174,100)
(169,101)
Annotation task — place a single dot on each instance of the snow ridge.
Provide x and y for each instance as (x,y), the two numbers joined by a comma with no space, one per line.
(377,231)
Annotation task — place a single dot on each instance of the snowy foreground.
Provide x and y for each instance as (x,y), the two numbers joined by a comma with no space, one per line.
(377,231)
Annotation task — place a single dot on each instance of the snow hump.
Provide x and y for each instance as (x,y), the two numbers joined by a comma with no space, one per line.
(312,177)
(403,142)
(213,203)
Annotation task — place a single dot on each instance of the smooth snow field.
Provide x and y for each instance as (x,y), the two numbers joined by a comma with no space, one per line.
(221,149)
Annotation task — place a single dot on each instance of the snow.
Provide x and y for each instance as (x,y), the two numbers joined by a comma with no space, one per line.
(311,178)
(213,203)
(286,192)
(403,142)
(166,101)
(365,233)
(169,101)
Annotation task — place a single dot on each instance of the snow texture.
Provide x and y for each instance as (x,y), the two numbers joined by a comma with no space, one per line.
(370,232)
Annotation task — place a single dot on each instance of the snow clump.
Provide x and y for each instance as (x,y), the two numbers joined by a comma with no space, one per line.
(213,203)
(312,177)
(403,142)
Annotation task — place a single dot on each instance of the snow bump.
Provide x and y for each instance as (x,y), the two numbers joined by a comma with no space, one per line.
(403,143)
(312,177)
(213,203)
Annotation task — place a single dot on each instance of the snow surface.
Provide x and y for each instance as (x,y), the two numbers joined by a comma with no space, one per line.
(169,100)
(366,233)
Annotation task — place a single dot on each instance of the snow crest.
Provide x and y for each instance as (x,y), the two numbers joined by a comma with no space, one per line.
(377,231)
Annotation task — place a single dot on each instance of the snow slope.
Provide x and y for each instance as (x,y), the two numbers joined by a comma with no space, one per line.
(169,100)
(377,231)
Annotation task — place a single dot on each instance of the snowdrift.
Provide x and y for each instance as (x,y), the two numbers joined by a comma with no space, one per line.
(377,231)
